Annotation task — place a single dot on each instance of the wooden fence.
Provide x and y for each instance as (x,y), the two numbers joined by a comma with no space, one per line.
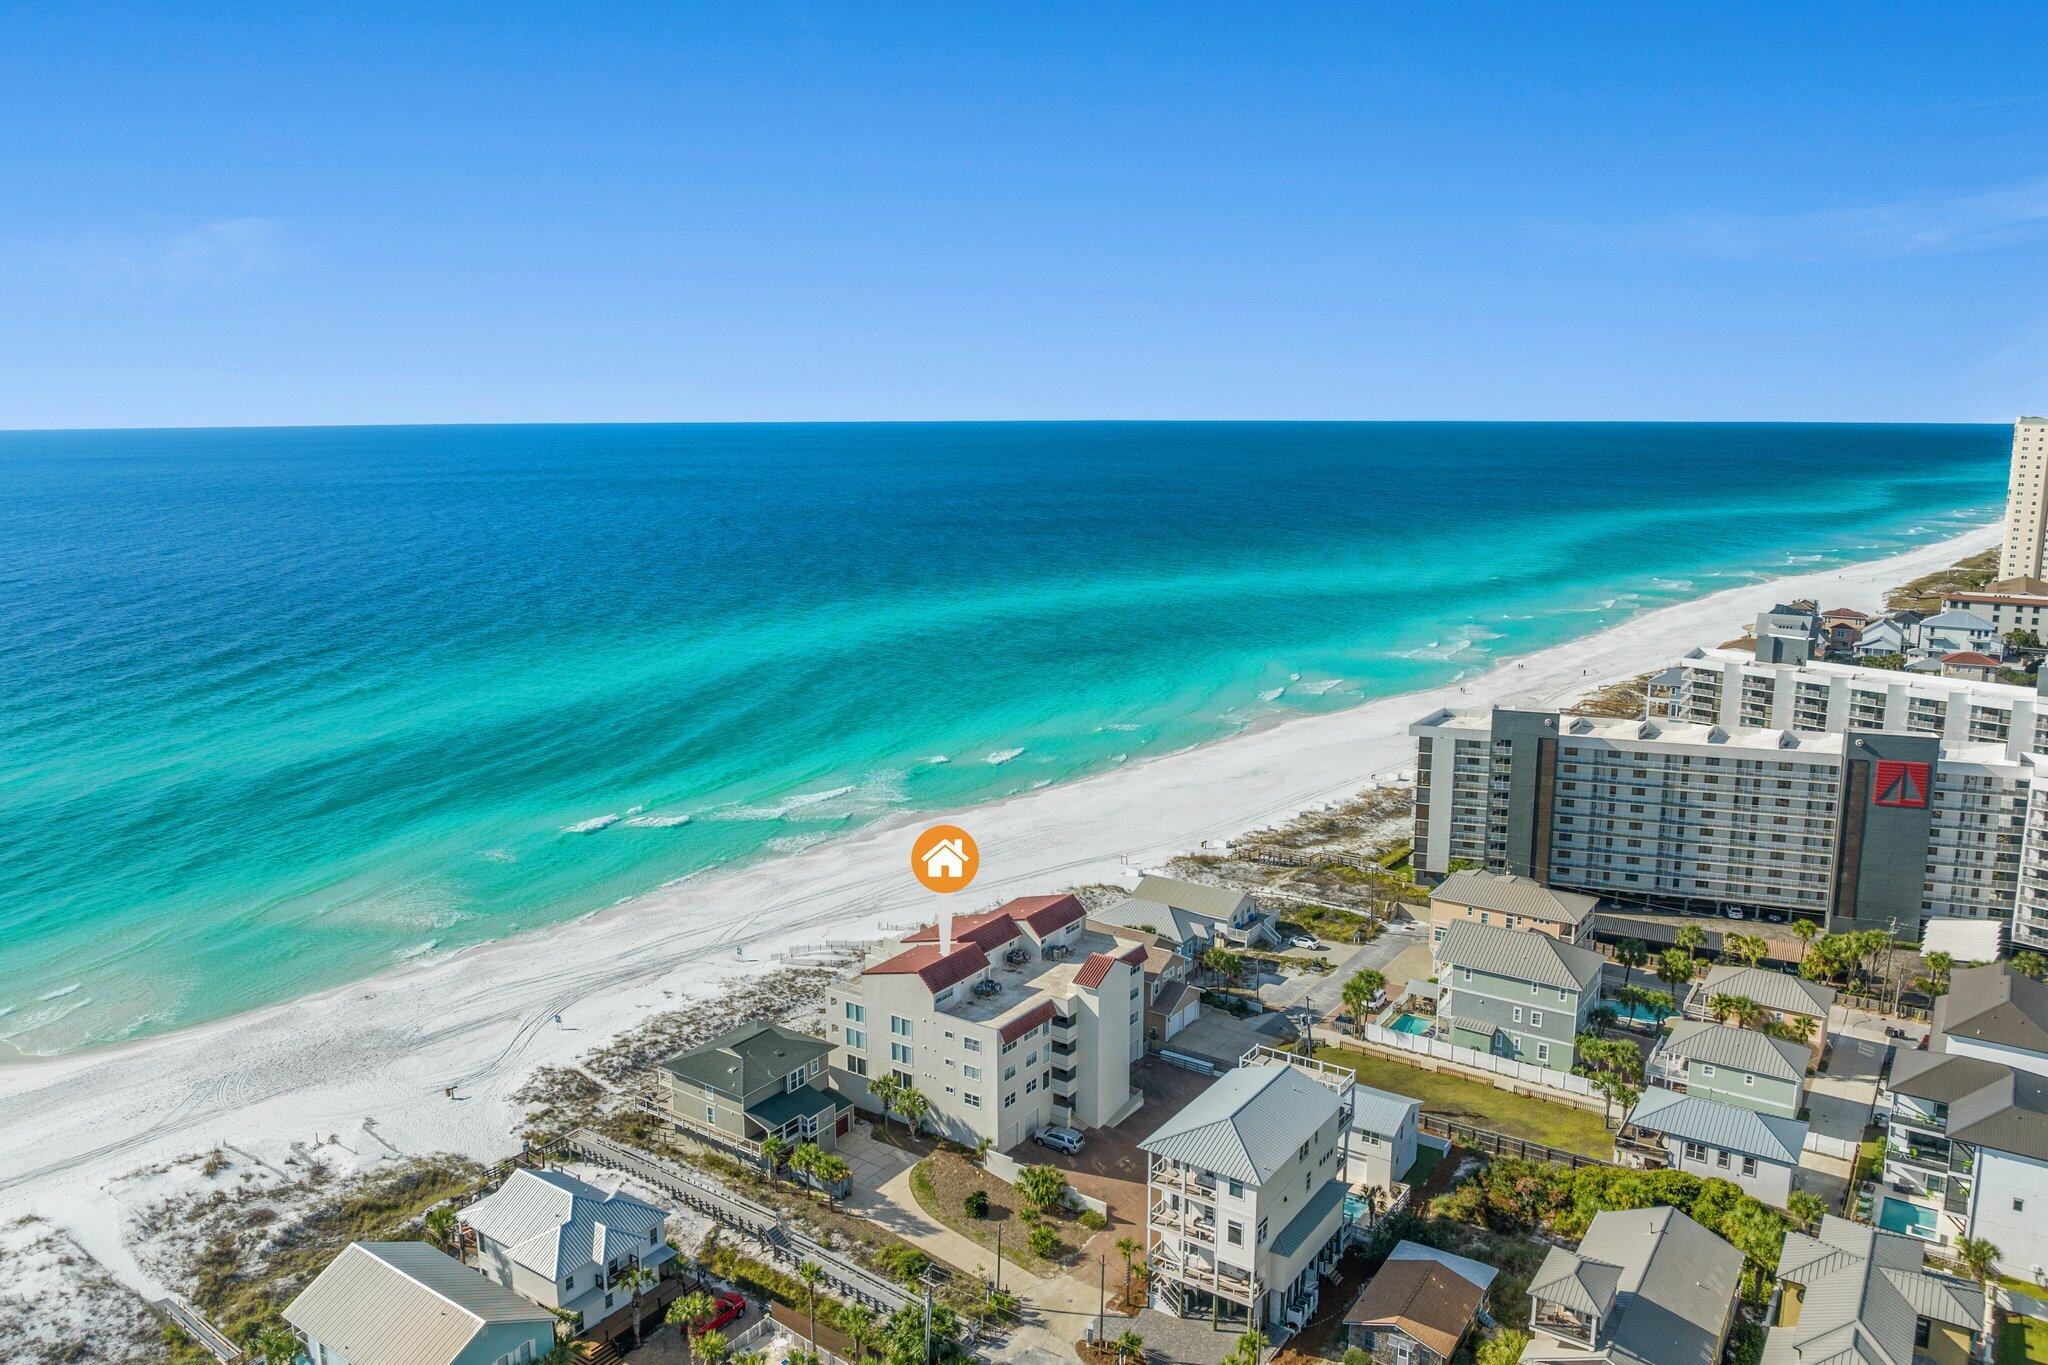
(1501,1144)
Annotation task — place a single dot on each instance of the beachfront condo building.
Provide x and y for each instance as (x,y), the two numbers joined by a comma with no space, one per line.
(2009,604)
(1863,829)
(2026,501)
(1245,1195)
(1008,1021)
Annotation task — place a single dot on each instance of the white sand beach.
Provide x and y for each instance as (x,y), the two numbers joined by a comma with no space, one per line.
(368,1063)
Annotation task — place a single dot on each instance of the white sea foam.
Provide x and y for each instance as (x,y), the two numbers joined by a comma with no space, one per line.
(1002,756)
(1120,727)
(1272,694)
(592,825)
(634,810)
(657,821)
(62,991)
(936,759)
(1322,686)
(421,951)
(492,855)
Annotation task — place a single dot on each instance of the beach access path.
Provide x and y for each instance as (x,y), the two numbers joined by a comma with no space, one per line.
(359,1071)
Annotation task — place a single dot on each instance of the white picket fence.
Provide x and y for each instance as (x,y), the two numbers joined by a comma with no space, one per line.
(1526,1073)
(1824,1145)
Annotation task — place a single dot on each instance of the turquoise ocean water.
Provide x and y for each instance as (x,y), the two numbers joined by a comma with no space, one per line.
(281,708)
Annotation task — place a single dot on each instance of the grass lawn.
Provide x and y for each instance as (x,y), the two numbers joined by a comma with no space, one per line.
(941,1183)
(2022,1341)
(1479,1104)
(1426,1159)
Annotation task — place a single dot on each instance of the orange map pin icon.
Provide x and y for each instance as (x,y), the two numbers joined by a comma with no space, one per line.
(944,859)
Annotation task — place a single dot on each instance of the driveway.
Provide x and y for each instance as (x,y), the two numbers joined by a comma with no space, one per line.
(1321,992)
(874,1163)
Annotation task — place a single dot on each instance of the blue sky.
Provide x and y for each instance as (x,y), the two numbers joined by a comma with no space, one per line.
(257,214)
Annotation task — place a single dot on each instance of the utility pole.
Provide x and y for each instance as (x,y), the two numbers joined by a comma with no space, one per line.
(999,1258)
(927,1322)
(1101,1295)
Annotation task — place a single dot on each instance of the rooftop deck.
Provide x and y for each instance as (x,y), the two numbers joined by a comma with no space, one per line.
(1023,984)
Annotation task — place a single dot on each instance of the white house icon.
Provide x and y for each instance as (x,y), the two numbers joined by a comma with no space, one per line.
(946,859)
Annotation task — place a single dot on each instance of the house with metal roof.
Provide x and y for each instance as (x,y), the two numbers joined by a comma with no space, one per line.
(1008,1021)
(1515,994)
(1644,1287)
(1509,902)
(752,1083)
(1192,916)
(1245,1195)
(1385,1128)
(405,1303)
(566,1243)
(1784,997)
(1418,1307)
(1736,1066)
(1966,1145)
(1856,1294)
(1704,1137)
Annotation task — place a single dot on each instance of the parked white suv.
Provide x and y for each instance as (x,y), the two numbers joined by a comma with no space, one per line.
(1066,1140)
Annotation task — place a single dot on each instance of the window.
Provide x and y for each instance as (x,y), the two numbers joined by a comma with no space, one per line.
(569,1280)
(1749,1165)
(1237,1189)
(1695,1151)
(1031,1086)
(899,1026)
(856,1039)
(973,1100)
(1721,1158)
(2019,1206)
(1235,1233)
(1467,974)
(711,1113)
(1543,1054)
(1262,1232)
(971,1044)
(654,1237)
(1535,1018)
(899,1052)
(1518,1014)
(856,1066)
(1009,1099)
(796,1079)
(1706,1069)
(857,1014)
(1561,996)
(1009,1073)
(972,1073)
(1749,1079)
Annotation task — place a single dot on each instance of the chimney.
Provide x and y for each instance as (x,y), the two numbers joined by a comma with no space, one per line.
(945,927)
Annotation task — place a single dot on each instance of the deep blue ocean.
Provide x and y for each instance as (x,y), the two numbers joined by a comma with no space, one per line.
(281,708)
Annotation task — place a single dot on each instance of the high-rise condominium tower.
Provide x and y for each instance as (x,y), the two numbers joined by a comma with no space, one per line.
(2026,501)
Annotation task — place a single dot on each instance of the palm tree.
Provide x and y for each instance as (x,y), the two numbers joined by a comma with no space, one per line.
(712,1348)
(1807,1209)
(273,1344)
(914,1107)
(1748,949)
(833,1172)
(1249,1348)
(637,1279)
(689,1310)
(1804,930)
(803,1161)
(1358,994)
(2030,963)
(1979,1258)
(859,1326)
(1690,937)
(1129,1345)
(775,1151)
(812,1277)
(885,1090)
(1674,968)
(1631,954)
(441,1226)
(1128,1248)
(1660,1003)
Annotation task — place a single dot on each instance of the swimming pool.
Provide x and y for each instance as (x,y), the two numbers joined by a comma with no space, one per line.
(1641,1014)
(1409,1023)
(1897,1215)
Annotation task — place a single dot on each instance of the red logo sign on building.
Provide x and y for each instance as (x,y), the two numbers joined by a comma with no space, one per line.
(1900,784)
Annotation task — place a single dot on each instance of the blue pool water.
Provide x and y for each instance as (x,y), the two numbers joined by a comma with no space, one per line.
(280,708)
(1410,1023)
(1897,1215)
(1641,1014)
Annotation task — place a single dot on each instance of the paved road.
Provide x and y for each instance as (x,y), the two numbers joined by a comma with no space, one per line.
(1319,993)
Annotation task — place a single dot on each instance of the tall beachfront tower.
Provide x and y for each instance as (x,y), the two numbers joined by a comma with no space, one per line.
(2026,501)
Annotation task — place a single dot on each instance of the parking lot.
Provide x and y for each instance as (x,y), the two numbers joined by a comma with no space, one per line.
(1111,1167)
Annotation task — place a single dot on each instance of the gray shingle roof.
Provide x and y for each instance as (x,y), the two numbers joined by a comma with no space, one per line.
(1779,991)
(1940,1077)
(1247,1124)
(1727,1126)
(1995,1004)
(404,1303)
(744,1059)
(1863,1293)
(549,1220)
(2008,1115)
(1380,1111)
(1520,956)
(1742,1049)
(1677,1286)
(1511,895)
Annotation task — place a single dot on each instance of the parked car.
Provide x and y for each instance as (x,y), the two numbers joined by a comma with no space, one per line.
(1066,1140)
(1308,941)
(1778,916)
(730,1306)
(1735,912)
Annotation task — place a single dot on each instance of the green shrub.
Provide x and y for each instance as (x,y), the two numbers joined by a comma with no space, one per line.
(1092,1220)
(1045,1241)
(976,1204)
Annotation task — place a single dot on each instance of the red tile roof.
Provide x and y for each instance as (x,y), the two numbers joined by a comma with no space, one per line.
(1044,914)
(1844,614)
(1095,970)
(1026,1022)
(1135,955)
(1970,657)
(927,965)
(989,930)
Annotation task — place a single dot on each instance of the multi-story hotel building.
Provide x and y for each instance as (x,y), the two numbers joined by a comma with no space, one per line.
(2026,501)
(1009,1021)
(1868,828)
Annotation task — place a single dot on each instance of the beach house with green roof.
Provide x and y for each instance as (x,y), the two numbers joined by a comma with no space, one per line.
(1515,994)
(1735,1066)
(752,1083)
